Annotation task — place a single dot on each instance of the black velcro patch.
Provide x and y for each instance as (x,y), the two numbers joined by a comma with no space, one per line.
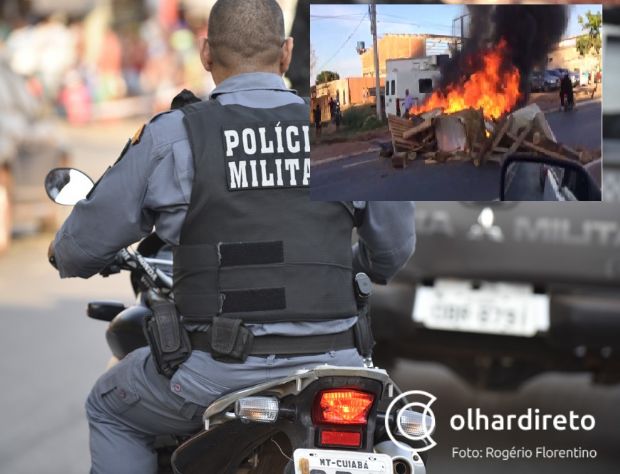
(251,253)
(266,299)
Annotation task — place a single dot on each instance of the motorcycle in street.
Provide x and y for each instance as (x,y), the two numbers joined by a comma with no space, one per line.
(325,420)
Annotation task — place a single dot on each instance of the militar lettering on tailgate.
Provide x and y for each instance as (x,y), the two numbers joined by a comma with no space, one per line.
(554,230)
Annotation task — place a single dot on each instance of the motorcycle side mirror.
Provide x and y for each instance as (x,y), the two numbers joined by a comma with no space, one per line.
(67,186)
(527,177)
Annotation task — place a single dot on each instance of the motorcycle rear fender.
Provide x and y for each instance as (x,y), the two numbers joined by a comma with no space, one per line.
(209,448)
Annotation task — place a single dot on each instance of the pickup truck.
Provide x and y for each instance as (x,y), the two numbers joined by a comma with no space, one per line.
(502,291)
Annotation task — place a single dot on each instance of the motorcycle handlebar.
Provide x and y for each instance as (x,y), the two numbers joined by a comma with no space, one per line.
(154,277)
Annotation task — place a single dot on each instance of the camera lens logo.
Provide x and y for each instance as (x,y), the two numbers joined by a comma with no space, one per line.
(415,421)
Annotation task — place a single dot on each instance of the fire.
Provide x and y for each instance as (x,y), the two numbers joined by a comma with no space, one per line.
(495,92)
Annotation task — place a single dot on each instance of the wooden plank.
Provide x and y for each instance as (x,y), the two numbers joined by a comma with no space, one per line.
(544,151)
(401,123)
(431,113)
(398,131)
(570,151)
(392,124)
(399,160)
(402,141)
(429,138)
(393,119)
(428,123)
(501,131)
(519,140)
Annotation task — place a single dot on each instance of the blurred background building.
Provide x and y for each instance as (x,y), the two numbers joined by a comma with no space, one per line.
(400,46)
(78,64)
(79,56)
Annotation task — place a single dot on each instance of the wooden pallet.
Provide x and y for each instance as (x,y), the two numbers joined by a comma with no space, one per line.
(398,126)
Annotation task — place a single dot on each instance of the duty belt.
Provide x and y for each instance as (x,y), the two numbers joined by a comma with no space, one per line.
(282,345)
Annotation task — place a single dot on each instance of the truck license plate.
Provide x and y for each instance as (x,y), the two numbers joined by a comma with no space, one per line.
(493,308)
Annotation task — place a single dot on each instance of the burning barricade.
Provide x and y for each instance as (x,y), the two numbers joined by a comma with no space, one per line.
(475,120)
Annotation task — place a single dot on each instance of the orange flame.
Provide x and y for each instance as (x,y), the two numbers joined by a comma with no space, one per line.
(489,89)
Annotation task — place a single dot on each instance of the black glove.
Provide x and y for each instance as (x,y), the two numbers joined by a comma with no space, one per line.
(113,267)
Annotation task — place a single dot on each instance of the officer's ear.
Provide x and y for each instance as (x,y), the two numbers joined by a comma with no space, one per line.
(286,55)
(205,54)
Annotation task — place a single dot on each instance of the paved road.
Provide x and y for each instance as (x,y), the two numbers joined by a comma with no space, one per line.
(368,177)
(580,127)
(52,354)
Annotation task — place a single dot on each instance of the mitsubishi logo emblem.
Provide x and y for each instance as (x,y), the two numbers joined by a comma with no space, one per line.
(485,228)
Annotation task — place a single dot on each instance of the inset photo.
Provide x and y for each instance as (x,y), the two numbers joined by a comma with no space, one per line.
(456,102)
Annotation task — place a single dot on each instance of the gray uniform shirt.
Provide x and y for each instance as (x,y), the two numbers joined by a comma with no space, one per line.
(151,187)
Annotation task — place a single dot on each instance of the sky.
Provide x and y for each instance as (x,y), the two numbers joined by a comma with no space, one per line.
(336,29)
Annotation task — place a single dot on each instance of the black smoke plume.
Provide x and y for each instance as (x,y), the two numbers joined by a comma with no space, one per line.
(530,32)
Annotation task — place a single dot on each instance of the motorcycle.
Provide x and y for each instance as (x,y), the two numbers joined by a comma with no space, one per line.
(325,420)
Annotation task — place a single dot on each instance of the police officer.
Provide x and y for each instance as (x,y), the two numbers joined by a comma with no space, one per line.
(225,182)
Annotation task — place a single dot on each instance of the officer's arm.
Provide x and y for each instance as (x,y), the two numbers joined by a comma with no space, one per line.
(111,218)
(386,239)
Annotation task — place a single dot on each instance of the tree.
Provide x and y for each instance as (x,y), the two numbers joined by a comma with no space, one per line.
(326,76)
(591,23)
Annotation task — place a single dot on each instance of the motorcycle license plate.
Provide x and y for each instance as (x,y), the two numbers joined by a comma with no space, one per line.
(492,308)
(321,461)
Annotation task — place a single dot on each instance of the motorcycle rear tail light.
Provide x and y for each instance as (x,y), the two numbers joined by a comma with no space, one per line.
(416,424)
(342,407)
(259,409)
(348,439)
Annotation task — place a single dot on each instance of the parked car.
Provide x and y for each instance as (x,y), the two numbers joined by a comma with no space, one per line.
(561,72)
(543,81)
(500,292)
(29,147)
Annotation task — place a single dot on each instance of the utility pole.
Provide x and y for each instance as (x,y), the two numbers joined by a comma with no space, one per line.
(372,7)
(459,43)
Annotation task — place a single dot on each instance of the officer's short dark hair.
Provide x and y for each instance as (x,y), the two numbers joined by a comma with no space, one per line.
(246,32)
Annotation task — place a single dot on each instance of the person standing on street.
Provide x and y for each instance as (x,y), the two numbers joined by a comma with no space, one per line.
(317,119)
(566,92)
(225,182)
(407,104)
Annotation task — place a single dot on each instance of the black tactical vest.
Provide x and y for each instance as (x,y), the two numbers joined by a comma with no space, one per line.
(253,245)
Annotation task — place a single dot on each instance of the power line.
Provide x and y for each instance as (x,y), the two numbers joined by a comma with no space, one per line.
(425,25)
(343,44)
(337,17)
(379,20)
